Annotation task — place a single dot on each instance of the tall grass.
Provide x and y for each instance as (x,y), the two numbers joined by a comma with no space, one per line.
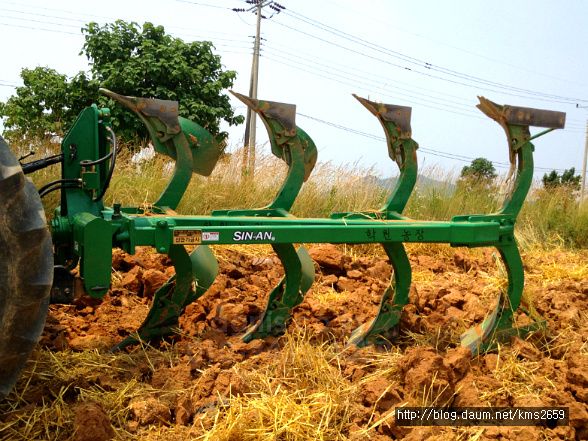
(547,218)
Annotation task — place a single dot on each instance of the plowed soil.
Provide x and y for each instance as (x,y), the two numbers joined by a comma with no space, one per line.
(451,291)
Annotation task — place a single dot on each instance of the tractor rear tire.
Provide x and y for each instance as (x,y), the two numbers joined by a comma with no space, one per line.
(26,268)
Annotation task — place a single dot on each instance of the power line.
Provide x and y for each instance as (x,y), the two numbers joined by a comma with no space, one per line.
(93,16)
(427,65)
(81,23)
(354,84)
(461,49)
(322,61)
(208,5)
(17,11)
(380,138)
(571,123)
(340,77)
(36,28)
(39,29)
(362,77)
(374,85)
(408,68)
(44,22)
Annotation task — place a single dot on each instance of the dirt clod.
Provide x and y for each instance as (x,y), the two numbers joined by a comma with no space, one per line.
(195,381)
(149,411)
(153,280)
(91,423)
(328,257)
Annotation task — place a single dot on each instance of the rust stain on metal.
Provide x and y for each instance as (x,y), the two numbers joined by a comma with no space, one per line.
(193,139)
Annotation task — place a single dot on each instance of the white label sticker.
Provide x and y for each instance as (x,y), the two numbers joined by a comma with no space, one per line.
(210,236)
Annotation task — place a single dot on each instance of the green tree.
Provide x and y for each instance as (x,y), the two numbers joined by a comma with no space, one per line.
(131,60)
(480,171)
(145,61)
(568,178)
(46,104)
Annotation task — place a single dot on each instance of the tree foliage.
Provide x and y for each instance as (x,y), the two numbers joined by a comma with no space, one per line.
(480,171)
(46,104)
(568,178)
(131,60)
(148,62)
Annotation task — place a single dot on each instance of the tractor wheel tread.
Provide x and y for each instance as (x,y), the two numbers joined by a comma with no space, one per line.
(26,268)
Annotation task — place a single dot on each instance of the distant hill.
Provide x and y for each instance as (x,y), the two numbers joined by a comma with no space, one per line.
(424,183)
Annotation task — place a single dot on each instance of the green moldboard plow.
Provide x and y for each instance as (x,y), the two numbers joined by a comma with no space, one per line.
(36,265)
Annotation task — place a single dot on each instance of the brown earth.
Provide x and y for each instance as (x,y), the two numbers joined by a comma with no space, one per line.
(450,292)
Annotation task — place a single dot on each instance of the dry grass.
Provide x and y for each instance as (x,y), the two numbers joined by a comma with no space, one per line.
(302,392)
(61,380)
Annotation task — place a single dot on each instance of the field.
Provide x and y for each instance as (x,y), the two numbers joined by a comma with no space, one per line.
(206,384)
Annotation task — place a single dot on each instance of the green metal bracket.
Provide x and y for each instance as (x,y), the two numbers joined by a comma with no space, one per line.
(85,141)
(515,121)
(395,121)
(93,244)
(296,148)
(191,146)
(194,150)
(498,326)
(402,149)
(289,143)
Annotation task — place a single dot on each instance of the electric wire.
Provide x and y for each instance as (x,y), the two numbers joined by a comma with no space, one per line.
(288,12)
(359,72)
(37,28)
(412,99)
(437,41)
(427,65)
(409,69)
(362,76)
(294,66)
(113,153)
(93,16)
(376,85)
(439,153)
(82,22)
(209,5)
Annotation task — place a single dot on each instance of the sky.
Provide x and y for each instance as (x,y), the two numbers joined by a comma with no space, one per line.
(433,56)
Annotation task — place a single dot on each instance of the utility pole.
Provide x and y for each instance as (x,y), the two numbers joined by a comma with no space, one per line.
(583,188)
(583,192)
(248,163)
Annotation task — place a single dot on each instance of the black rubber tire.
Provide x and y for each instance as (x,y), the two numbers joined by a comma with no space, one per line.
(26,268)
